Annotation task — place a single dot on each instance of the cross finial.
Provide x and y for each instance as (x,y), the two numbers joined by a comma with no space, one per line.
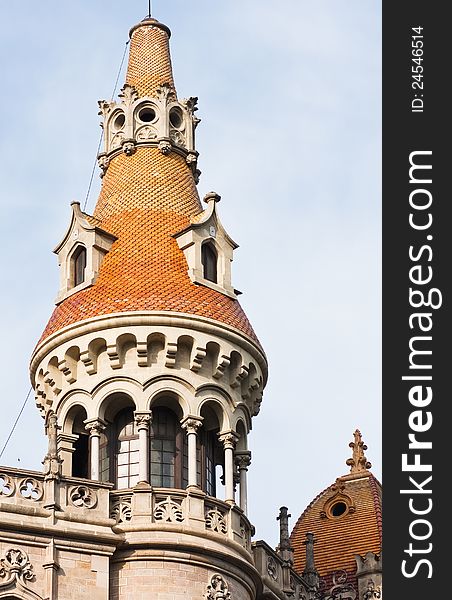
(358,462)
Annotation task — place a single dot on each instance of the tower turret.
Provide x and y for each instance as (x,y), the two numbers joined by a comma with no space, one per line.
(149,367)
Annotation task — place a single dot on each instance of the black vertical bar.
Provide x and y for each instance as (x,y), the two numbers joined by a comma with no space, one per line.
(417,323)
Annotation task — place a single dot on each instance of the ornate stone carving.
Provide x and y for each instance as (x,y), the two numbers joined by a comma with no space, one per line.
(165,147)
(177,137)
(229,439)
(128,147)
(372,591)
(169,511)
(31,489)
(215,521)
(105,106)
(121,510)
(272,568)
(82,496)
(358,463)
(146,133)
(128,94)
(15,567)
(143,419)
(166,92)
(341,589)
(191,424)
(217,589)
(7,487)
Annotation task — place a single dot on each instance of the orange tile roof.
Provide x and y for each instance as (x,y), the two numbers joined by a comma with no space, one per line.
(149,58)
(145,199)
(338,539)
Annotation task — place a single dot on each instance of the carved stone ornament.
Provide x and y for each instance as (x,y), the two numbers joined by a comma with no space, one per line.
(31,489)
(128,94)
(7,487)
(165,147)
(372,591)
(217,589)
(146,133)
(121,510)
(341,589)
(128,148)
(15,567)
(169,511)
(215,521)
(166,92)
(82,496)
(358,463)
(272,568)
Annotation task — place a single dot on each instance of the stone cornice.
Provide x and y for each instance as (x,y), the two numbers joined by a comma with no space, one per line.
(148,318)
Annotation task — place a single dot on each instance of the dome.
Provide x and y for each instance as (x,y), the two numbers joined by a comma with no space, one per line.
(345,519)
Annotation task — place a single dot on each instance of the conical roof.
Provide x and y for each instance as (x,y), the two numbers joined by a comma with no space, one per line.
(146,198)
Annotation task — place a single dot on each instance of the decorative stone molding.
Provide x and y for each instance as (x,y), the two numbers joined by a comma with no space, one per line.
(358,463)
(338,505)
(162,121)
(95,427)
(30,489)
(82,496)
(7,486)
(121,510)
(16,568)
(215,520)
(81,233)
(192,424)
(272,568)
(217,589)
(372,592)
(228,439)
(169,511)
(205,228)
(342,588)
(143,419)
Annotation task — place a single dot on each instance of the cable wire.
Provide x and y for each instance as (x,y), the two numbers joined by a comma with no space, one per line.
(93,170)
(84,207)
(15,422)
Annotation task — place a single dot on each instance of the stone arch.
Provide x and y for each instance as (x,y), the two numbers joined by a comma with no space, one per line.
(75,441)
(242,432)
(126,349)
(155,348)
(178,389)
(106,391)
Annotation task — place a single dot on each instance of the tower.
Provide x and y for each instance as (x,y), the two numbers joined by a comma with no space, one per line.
(148,366)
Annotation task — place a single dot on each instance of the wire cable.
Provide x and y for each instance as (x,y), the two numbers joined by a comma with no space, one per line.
(84,207)
(93,170)
(15,422)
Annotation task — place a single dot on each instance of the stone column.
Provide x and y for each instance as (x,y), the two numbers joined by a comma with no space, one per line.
(243,461)
(191,425)
(95,428)
(143,420)
(229,441)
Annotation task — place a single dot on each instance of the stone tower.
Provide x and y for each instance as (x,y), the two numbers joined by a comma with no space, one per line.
(148,368)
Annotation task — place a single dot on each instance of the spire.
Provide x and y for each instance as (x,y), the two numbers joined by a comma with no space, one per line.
(149,58)
(310,573)
(358,463)
(148,198)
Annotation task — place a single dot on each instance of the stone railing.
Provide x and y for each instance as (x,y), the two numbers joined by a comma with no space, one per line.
(87,502)
(173,508)
(278,578)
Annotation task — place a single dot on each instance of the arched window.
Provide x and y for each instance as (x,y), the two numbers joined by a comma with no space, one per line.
(209,261)
(207,461)
(168,448)
(126,451)
(79,265)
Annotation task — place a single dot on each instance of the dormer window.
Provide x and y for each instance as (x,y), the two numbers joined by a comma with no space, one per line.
(208,249)
(79,263)
(81,252)
(209,261)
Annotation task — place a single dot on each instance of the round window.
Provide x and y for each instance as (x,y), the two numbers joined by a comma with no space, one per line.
(338,509)
(176,118)
(119,121)
(147,114)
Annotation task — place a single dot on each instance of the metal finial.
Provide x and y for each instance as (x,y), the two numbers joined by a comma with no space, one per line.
(149,8)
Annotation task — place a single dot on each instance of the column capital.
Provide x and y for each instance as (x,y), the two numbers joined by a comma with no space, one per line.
(95,426)
(191,423)
(228,438)
(243,459)
(143,419)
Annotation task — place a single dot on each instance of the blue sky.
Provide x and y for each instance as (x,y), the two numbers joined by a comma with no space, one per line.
(290,100)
